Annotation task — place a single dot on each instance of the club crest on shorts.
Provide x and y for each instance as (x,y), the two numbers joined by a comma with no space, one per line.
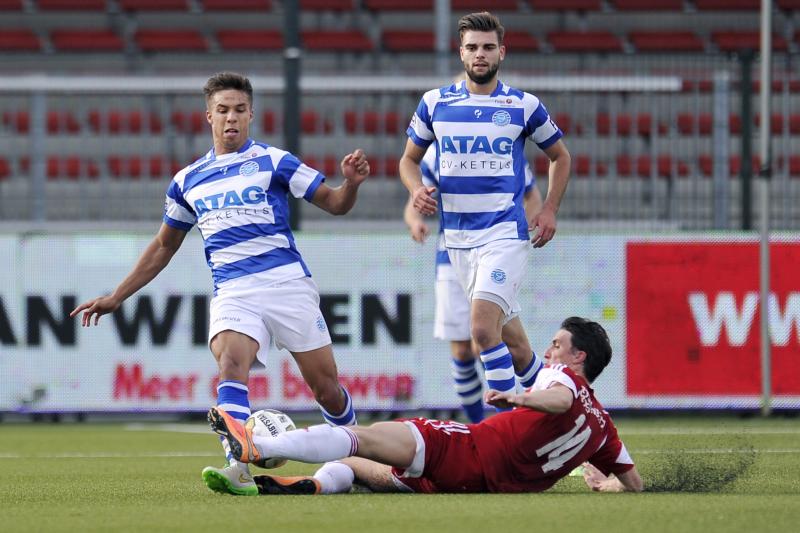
(501,118)
(249,168)
(498,276)
(321,323)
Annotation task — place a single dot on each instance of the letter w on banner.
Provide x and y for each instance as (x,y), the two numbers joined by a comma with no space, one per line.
(693,318)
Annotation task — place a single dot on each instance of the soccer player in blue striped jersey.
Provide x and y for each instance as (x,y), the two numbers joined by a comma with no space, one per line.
(451,316)
(237,197)
(479,127)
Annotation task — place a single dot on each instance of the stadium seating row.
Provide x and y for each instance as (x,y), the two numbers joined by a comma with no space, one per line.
(401,5)
(401,41)
(133,121)
(624,166)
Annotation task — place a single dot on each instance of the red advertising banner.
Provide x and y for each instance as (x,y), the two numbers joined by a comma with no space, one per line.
(693,314)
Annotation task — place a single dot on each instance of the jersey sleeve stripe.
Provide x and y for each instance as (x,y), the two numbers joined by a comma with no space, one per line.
(177,224)
(477,203)
(254,247)
(551,141)
(416,139)
(313,186)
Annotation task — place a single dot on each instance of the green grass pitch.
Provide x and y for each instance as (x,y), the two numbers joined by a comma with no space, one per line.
(705,474)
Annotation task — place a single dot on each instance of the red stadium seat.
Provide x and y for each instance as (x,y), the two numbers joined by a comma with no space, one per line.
(310,122)
(351,41)
(705,124)
(154,5)
(237,5)
(326,5)
(116,121)
(625,124)
(372,122)
(648,5)
(409,41)
(5,169)
(624,165)
(87,41)
(566,5)
(732,41)
(250,40)
(19,121)
(11,5)
(191,122)
(665,166)
(666,41)
(589,41)
(727,5)
(71,5)
(268,122)
(520,40)
(794,165)
(19,41)
(541,165)
(62,121)
(480,5)
(794,123)
(788,5)
(169,40)
(399,5)
(391,167)
(734,124)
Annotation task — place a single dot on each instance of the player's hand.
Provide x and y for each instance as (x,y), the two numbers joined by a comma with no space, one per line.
(423,200)
(355,167)
(599,482)
(419,231)
(502,400)
(543,227)
(96,308)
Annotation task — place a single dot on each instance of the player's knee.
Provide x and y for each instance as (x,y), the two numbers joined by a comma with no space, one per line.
(330,396)
(462,351)
(485,337)
(232,367)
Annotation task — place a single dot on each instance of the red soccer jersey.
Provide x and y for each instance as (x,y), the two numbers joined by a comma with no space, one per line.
(528,451)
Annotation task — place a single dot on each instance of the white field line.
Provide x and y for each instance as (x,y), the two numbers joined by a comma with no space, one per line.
(167,455)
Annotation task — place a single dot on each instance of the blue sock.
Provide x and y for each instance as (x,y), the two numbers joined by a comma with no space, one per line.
(346,418)
(232,397)
(469,388)
(528,376)
(499,369)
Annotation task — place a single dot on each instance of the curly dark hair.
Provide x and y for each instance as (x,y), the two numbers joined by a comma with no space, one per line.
(483,21)
(589,337)
(228,80)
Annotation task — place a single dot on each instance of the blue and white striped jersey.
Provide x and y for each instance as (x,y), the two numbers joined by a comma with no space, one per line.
(480,141)
(430,178)
(239,203)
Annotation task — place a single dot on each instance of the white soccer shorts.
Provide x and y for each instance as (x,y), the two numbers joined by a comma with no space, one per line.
(285,312)
(493,272)
(451,316)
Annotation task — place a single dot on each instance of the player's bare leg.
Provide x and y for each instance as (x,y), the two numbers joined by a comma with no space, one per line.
(487,316)
(376,477)
(235,354)
(318,368)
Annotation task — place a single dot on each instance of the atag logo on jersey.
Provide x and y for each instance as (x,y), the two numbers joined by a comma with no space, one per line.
(480,144)
(249,196)
(501,118)
(249,168)
(498,276)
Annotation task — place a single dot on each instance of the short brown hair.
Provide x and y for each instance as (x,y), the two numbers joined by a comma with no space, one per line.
(483,21)
(228,80)
(589,337)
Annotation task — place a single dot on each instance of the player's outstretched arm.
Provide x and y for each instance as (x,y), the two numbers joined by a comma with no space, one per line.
(544,223)
(152,261)
(630,481)
(416,224)
(340,200)
(411,176)
(554,400)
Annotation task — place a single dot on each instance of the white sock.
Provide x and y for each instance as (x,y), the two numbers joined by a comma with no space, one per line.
(335,478)
(317,444)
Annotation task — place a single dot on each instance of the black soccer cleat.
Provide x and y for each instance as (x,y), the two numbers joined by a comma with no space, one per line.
(299,485)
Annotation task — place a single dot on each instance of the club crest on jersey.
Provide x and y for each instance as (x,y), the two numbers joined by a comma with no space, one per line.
(501,118)
(498,276)
(249,168)
(321,323)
